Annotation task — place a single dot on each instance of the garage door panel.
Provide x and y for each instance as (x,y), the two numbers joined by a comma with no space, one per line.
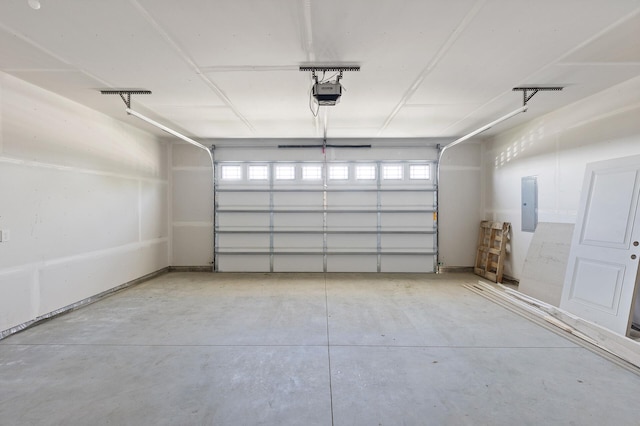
(352,199)
(407,221)
(243,199)
(248,242)
(302,242)
(352,242)
(406,263)
(303,221)
(407,241)
(407,199)
(298,263)
(355,221)
(352,263)
(235,220)
(358,217)
(243,263)
(298,199)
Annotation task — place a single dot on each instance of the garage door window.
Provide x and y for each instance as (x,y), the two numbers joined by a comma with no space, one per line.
(285,172)
(365,172)
(311,172)
(392,172)
(231,172)
(258,172)
(419,171)
(339,172)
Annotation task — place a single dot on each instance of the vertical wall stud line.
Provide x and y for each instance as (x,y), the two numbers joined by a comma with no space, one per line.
(379,217)
(169,205)
(216,242)
(325,178)
(326,304)
(436,222)
(434,194)
(139,211)
(271,216)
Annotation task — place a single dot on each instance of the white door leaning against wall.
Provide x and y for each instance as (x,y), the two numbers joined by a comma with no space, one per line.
(603,262)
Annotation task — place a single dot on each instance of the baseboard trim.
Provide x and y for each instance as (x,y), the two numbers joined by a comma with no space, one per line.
(448,269)
(190,269)
(80,304)
(510,280)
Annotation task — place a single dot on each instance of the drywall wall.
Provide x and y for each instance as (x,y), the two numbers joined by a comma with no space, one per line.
(460,209)
(556,149)
(191,210)
(192,199)
(84,197)
(546,262)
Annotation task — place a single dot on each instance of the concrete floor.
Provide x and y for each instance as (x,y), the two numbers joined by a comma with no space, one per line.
(305,349)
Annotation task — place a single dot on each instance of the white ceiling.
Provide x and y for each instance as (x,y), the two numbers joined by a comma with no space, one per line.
(229,68)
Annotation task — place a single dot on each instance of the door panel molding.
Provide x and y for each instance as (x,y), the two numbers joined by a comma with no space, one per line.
(607,276)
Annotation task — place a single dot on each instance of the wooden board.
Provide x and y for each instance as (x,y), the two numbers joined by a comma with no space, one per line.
(612,343)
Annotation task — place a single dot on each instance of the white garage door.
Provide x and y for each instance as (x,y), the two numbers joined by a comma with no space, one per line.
(333,216)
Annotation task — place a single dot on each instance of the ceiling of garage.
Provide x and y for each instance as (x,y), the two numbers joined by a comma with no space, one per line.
(230,68)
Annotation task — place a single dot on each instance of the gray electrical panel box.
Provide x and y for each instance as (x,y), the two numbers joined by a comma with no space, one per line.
(529,203)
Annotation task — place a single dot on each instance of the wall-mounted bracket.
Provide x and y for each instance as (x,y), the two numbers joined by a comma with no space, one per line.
(127,92)
(525,91)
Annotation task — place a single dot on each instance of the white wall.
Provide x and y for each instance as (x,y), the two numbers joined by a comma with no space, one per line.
(556,148)
(84,198)
(460,210)
(192,206)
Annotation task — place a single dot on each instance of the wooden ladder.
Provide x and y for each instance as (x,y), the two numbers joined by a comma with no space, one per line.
(492,244)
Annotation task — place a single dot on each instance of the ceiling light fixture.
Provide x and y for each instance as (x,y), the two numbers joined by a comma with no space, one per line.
(34,4)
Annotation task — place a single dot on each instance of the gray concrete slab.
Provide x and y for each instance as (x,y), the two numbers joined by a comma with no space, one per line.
(305,349)
(479,386)
(200,309)
(407,310)
(163,385)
